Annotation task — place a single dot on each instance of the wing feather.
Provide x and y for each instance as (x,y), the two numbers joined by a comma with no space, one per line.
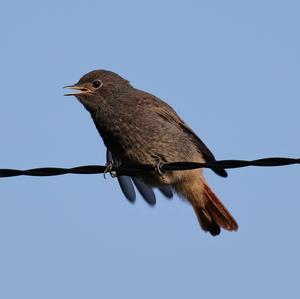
(168,113)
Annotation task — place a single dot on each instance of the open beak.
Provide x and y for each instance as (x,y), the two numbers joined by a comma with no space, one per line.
(80,90)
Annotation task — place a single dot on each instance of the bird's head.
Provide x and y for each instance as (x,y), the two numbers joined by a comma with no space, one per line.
(96,87)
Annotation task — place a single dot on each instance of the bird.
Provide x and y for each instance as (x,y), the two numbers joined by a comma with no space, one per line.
(139,128)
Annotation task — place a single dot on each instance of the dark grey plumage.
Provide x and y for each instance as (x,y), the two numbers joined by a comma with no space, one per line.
(121,109)
(139,128)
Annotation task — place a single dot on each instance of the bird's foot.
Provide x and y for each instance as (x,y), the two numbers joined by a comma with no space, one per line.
(158,167)
(109,169)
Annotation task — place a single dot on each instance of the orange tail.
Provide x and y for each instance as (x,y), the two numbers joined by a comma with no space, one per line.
(212,214)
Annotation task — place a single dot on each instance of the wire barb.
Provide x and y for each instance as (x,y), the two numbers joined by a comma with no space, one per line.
(134,171)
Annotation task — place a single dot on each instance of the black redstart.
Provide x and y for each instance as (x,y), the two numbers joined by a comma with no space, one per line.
(139,128)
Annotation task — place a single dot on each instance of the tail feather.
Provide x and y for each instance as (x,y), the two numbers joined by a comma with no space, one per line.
(206,222)
(210,211)
(213,214)
(218,211)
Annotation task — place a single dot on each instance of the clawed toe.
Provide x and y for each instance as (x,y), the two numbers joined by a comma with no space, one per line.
(158,167)
(109,169)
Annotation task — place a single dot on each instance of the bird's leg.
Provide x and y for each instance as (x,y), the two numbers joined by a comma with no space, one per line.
(110,164)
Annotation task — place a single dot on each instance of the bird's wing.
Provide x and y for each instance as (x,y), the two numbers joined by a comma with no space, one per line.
(168,113)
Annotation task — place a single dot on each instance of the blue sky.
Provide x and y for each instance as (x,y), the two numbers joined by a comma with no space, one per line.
(230,69)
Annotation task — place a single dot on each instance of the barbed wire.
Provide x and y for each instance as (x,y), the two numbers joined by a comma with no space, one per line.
(137,169)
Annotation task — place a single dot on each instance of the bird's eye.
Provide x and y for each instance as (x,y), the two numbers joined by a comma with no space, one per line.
(97,83)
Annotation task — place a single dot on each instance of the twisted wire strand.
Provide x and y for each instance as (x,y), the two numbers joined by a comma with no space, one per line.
(133,171)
